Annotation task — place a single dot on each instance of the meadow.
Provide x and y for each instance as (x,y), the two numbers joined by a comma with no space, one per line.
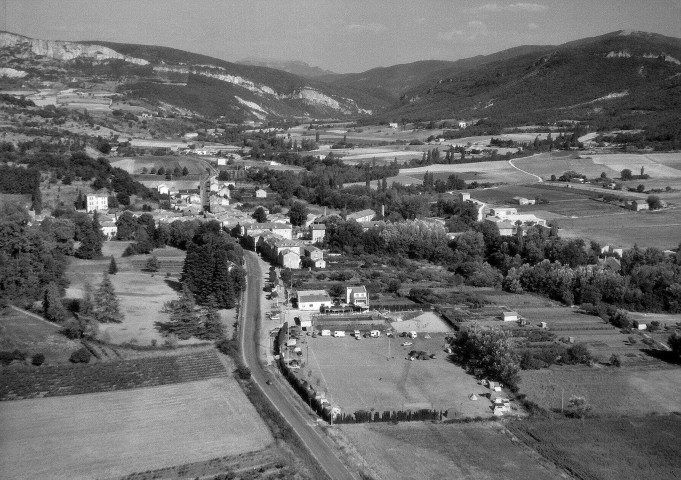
(466,451)
(628,448)
(105,435)
(494,172)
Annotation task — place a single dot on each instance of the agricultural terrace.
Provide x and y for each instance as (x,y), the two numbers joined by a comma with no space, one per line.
(466,451)
(628,448)
(30,334)
(141,294)
(375,373)
(106,435)
(134,165)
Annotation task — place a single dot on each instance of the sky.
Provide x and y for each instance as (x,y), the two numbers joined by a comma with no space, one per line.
(339,35)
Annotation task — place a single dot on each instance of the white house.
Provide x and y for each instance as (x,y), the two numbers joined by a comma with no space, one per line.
(97,202)
(317,232)
(357,296)
(362,216)
(109,229)
(313,300)
(260,193)
(510,316)
(163,189)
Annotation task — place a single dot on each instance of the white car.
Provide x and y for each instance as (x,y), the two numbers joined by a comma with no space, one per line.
(407,344)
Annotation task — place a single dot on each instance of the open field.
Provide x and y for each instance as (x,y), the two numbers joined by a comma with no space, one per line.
(358,374)
(628,448)
(31,335)
(104,435)
(504,194)
(609,390)
(134,165)
(495,172)
(628,228)
(661,165)
(473,451)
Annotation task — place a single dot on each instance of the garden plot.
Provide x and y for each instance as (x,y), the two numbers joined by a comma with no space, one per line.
(105,435)
(373,373)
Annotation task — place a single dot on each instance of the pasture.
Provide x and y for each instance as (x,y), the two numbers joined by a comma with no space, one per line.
(105,435)
(31,335)
(374,373)
(609,390)
(628,448)
(466,451)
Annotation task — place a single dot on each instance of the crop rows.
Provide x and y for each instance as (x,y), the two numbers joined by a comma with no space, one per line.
(47,381)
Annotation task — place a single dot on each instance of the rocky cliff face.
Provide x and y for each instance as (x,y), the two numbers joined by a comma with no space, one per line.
(60,50)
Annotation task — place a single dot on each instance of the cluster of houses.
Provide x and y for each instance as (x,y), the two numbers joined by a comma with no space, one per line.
(276,243)
(508,220)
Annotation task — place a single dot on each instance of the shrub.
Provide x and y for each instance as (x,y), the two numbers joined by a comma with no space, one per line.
(243,372)
(38,359)
(615,360)
(82,355)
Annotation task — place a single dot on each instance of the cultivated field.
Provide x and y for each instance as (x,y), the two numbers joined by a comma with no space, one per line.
(360,374)
(628,448)
(471,451)
(134,165)
(32,335)
(609,390)
(105,435)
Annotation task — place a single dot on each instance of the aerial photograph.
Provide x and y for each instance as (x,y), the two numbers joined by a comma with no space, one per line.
(340,239)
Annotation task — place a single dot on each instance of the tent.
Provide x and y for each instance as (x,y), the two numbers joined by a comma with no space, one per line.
(472,396)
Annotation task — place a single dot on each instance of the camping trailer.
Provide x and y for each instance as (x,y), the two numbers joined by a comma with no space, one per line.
(326,333)
(339,333)
(375,333)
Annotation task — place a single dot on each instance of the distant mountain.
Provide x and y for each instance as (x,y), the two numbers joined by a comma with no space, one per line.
(390,83)
(296,67)
(621,75)
(167,76)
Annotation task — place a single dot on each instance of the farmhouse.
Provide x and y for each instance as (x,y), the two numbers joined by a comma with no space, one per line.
(260,193)
(361,216)
(464,196)
(163,189)
(638,205)
(317,232)
(502,211)
(524,201)
(357,296)
(510,316)
(97,202)
(313,300)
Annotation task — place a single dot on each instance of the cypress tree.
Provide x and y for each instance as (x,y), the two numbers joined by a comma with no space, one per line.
(113,268)
(53,309)
(106,306)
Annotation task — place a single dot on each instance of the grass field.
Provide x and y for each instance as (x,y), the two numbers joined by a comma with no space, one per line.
(476,451)
(31,335)
(628,448)
(105,435)
(628,228)
(358,375)
(609,390)
(495,172)
(667,165)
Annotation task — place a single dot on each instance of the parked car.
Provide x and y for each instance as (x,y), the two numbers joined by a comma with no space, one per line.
(407,344)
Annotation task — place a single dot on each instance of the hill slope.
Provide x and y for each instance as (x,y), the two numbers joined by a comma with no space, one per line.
(620,75)
(199,83)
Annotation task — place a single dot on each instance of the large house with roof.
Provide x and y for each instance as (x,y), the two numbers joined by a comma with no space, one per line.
(313,300)
(357,296)
(361,216)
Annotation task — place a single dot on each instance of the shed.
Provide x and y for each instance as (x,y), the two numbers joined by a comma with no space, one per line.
(543,325)
(510,316)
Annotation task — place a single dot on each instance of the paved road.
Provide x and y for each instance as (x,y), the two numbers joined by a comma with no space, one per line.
(282,401)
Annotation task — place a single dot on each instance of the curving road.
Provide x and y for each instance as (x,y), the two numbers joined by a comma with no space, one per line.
(277,394)
(539,179)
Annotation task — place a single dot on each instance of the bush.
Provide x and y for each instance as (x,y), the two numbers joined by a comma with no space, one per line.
(243,372)
(82,355)
(615,360)
(38,359)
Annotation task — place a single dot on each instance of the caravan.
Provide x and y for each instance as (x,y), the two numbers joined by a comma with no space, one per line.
(375,333)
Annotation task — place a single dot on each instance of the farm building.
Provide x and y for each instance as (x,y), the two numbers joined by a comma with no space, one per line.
(510,316)
(260,193)
(638,205)
(464,196)
(163,189)
(97,202)
(357,296)
(502,212)
(524,201)
(313,300)
(362,216)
